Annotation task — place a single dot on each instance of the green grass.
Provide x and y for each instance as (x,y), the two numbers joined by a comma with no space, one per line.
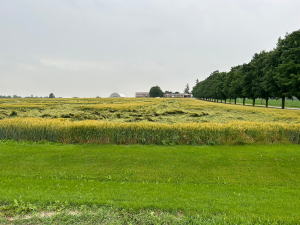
(272,102)
(253,184)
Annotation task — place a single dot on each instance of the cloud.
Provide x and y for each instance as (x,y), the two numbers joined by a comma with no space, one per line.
(113,66)
(131,45)
(77,65)
(27,66)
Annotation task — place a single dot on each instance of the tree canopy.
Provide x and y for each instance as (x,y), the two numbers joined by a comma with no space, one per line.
(51,95)
(273,74)
(155,91)
(187,89)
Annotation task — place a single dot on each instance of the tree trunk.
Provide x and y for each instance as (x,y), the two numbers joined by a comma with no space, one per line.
(283,102)
(235,101)
(221,100)
(267,101)
(230,100)
(225,100)
(262,101)
(253,102)
(244,99)
(217,100)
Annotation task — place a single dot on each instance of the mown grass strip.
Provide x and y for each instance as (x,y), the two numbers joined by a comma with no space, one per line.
(250,182)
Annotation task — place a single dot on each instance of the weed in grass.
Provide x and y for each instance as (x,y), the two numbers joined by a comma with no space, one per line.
(16,208)
(96,215)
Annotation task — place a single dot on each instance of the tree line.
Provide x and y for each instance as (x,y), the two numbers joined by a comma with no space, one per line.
(269,75)
(156,91)
(16,96)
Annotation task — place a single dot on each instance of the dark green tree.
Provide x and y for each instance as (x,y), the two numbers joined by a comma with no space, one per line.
(219,86)
(51,95)
(236,85)
(265,65)
(274,74)
(287,74)
(249,81)
(232,87)
(155,91)
(187,89)
(198,90)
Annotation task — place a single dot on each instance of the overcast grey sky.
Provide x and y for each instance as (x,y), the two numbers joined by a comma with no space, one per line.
(90,48)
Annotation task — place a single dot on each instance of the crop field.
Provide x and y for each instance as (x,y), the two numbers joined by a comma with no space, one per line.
(139,110)
(145,121)
(160,161)
(52,183)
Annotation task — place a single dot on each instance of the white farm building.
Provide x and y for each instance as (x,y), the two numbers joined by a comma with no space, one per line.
(117,95)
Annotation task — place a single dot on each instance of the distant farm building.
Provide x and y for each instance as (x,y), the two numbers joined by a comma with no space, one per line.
(177,95)
(142,94)
(117,95)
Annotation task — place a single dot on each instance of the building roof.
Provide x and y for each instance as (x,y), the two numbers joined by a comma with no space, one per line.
(117,94)
(176,93)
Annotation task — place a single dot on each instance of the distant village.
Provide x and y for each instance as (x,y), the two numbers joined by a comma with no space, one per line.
(17,96)
(147,95)
(166,94)
(155,91)
(115,95)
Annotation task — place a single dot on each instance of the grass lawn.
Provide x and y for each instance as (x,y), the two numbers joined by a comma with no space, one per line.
(241,184)
(272,102)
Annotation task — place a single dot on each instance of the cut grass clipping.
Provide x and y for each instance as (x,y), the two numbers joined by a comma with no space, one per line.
(180,184)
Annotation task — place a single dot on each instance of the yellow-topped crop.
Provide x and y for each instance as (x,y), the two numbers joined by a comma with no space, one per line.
(91,131)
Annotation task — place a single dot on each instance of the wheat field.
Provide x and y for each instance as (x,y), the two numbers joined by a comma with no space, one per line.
(145,121)
(142,110)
